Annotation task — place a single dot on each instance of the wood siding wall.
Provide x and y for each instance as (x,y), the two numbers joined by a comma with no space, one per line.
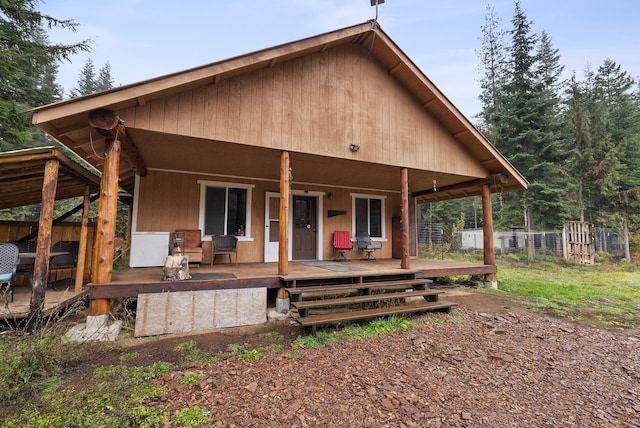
(317,104)
(177,206)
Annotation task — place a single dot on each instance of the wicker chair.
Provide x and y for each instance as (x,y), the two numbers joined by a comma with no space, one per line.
(225,245)
(8,264)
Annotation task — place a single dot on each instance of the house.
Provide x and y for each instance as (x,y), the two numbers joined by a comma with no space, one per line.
(340,131)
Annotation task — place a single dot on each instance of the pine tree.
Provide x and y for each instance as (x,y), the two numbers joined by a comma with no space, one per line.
(617,175)
(88,83)
(493,66)
(522,120)
(104,80)
(27,60)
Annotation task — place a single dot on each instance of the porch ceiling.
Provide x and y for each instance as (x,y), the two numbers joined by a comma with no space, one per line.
(22,175)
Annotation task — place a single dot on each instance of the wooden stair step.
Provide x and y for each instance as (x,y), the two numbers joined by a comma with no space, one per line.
(314,320)
(310,304)
(405,283)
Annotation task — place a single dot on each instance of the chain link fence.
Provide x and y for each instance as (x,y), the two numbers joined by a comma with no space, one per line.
(515,241)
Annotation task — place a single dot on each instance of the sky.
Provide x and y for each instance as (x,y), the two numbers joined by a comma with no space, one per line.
(143,39)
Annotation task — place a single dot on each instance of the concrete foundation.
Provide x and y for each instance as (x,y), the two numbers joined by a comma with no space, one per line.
(187,311)
(96,329)
(491,284)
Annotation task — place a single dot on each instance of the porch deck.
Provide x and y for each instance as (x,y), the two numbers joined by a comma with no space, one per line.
(133,281)
(54,300)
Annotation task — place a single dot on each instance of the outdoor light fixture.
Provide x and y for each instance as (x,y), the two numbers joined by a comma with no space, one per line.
(354,147)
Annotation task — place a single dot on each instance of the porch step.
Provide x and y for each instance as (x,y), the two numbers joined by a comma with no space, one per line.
(304,306)
(296,293)
(348,298)
(315,320)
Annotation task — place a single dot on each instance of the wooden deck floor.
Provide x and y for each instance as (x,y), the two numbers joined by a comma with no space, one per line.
(54,301)
(132,281)
(425,269)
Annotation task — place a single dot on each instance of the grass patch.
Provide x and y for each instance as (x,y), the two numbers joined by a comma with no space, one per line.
(600,295)
(353,331)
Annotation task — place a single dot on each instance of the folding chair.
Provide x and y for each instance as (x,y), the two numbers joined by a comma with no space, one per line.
(341,244)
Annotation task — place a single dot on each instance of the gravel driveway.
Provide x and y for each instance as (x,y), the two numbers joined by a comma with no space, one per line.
(478,369)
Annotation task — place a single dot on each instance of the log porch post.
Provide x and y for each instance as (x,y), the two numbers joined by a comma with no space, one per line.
(43,246)
(404,219)
(82,249)
(283,236)
(106,227)
(487,232)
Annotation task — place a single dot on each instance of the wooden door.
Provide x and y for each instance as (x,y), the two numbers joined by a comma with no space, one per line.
(304,228)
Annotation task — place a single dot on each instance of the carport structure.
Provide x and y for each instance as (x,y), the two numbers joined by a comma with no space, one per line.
(42,176)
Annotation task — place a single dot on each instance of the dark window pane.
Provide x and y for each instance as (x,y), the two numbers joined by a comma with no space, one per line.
(362,216)
(375,218)
(237,215)
(214,211)
(302,214)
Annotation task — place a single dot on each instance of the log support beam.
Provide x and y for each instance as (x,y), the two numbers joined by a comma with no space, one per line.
(487,232)
(283,237)
(82,249)
(43,247)
(404,219)
(106,227)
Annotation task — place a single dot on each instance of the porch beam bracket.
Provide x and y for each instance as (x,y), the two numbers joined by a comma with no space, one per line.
(490,180)
(109,124)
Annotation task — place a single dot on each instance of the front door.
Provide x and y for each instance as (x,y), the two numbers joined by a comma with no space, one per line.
(304,228)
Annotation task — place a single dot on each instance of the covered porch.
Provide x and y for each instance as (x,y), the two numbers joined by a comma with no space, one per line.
(131,282)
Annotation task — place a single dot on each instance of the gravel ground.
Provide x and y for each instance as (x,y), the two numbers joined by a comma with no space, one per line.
(508,369)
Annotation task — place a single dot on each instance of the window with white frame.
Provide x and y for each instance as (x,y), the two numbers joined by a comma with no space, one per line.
(225,208)
(368,216)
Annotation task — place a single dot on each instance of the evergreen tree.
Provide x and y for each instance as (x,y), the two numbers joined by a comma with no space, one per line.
(617,176)
(492,64)
(522,120)
(27,60)
(104,80)
(89,83)
(86,81)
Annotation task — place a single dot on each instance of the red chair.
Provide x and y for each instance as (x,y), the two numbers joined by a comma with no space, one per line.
(342,244)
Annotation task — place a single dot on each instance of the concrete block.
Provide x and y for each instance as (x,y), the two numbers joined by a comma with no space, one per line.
(186,311)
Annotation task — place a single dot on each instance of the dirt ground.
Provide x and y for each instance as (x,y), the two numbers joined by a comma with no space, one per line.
(500,365)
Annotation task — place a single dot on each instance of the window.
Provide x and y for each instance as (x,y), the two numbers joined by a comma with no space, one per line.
(368,216)
(225,209)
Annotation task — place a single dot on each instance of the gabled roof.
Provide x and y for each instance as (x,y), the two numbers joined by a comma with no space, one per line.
(22,174)
(67,120)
